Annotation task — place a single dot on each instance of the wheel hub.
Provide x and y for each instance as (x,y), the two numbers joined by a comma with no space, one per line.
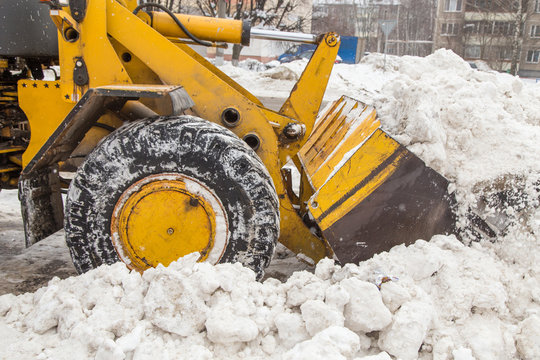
(166,216)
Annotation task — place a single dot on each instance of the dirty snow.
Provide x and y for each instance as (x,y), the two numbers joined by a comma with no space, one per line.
(440,299)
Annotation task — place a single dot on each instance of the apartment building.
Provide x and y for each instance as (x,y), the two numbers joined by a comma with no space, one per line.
(412,34)
(484,30)
(530,54)
(334,15)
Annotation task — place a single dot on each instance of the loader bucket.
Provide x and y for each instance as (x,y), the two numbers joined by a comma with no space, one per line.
(370,192)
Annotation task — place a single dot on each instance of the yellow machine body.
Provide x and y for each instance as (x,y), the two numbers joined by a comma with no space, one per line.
(164,199)
(207,28)
(344,157)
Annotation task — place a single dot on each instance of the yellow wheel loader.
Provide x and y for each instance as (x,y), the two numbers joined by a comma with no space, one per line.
(171,156)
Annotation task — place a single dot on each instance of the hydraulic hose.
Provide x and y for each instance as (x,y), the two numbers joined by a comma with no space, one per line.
(175,19)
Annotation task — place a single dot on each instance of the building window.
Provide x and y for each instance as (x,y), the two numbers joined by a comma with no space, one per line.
(486,27)
(502,28)
(515,5)
(537,6)
(452,5)
(535,31)
(449,29)
(472,52)
(533,56)
(505,53)
(482,4)
(471,27)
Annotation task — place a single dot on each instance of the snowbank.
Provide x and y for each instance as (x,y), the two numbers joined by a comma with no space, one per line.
(426,300)
(431,300)
(470,125)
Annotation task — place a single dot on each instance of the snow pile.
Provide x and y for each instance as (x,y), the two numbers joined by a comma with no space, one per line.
(469,125)
(428,300)
(287,71)
(255,65)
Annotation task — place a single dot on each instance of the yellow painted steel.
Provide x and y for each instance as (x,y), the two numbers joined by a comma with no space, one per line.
(139,73)
(16,159)
(9,169)
(357,170)
(7,93)
(305,99)
(119,48)
(213,92)
(11,149)
(202,27)
(103,64)
(162,221)
(45,108)
(339,129)
(343,158)
(131,4)
(91,139)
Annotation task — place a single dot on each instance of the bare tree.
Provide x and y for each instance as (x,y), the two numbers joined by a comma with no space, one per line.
(334,17)
(276,14)
(366,25)
(494,32)
(413,34)
(365,19)
(415,24)
(520,16)
(178,6)
(491,30)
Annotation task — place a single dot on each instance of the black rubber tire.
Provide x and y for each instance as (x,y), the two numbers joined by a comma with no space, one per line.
(175,144)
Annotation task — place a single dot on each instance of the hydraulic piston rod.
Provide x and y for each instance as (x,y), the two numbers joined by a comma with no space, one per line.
(283,36)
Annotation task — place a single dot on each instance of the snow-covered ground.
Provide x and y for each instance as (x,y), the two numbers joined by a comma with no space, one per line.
(532,80)
(437,299)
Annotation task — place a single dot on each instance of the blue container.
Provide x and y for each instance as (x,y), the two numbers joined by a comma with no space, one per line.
(349,51)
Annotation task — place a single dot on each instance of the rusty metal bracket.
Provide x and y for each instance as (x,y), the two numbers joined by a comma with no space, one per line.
(78,9)
(80,72)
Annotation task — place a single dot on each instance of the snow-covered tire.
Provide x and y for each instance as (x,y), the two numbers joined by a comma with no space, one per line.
(184,145)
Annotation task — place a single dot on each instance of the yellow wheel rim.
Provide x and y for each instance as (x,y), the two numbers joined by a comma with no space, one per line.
(166,216)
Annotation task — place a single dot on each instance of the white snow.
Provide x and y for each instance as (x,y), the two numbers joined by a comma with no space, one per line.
(437,299)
